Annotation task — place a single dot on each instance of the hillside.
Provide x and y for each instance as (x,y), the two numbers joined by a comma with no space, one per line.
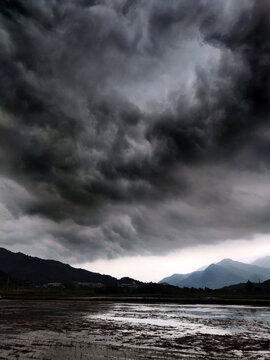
(174,279)
(249,287)
(38,271)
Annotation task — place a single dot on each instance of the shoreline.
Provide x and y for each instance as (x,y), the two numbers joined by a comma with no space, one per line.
(148,300)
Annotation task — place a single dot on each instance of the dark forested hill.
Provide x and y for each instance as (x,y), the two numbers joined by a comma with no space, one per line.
(38,271)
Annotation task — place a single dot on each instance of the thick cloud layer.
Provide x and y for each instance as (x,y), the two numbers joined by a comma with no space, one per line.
(132,127)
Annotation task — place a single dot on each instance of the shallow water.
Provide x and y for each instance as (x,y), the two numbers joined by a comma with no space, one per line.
(95,330)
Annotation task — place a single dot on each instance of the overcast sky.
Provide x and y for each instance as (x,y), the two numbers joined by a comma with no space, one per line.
(134,131)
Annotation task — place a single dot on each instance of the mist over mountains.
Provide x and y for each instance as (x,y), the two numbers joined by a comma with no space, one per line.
(224,273)
(264,262)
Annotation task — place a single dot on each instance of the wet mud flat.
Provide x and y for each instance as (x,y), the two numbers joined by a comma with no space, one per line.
(106,330)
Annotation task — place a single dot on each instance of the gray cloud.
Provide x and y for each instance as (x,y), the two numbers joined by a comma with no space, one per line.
(132,127)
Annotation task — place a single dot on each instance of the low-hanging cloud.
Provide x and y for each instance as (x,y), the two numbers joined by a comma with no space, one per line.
(132,127)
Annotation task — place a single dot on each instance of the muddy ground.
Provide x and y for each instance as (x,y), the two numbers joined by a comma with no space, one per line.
(67,330)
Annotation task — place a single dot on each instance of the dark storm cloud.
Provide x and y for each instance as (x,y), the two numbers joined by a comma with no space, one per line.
(132,127)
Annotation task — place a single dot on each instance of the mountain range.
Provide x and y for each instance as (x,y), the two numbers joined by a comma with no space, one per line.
(36,271)
(224,273)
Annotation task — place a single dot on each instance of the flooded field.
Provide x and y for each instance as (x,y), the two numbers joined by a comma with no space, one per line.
(67,330)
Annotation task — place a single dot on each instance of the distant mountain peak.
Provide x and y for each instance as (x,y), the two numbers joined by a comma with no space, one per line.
(202,268)
(224,273)
(226,260)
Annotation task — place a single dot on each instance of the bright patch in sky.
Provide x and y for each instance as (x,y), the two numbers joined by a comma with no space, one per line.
(154,268)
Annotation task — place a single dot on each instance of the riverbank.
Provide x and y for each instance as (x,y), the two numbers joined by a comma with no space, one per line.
(197,298)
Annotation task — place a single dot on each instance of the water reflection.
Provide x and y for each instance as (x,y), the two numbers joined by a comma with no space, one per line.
(189,319)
